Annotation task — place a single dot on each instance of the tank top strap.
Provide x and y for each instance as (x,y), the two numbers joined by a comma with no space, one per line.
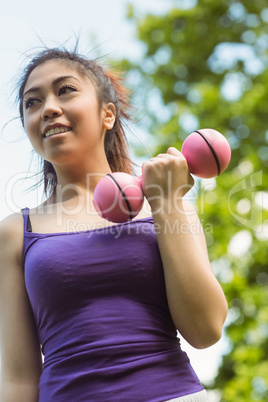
(26,219)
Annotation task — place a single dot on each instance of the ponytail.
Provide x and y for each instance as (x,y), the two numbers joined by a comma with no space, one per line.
(121,91)
(115,144)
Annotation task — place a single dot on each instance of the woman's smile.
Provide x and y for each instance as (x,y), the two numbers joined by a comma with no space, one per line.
(62,104)
(58,129)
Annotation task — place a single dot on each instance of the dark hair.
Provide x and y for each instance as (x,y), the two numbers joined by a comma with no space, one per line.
(109,88)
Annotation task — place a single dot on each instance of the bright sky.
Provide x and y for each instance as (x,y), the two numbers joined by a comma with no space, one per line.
(21,23)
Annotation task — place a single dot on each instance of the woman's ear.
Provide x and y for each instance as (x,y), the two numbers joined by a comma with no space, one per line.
(109,116)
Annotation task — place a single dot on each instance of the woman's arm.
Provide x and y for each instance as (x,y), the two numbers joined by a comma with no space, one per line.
(196,301)
(21,363)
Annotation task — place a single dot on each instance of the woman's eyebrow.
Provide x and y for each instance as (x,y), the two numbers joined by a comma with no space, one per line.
(56,81)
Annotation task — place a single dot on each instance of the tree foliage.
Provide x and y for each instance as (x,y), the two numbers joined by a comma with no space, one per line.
(206,66)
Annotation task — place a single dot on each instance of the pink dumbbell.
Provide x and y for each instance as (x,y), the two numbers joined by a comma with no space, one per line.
(118,197)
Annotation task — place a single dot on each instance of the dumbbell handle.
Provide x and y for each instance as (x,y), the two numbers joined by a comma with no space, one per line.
(207,153)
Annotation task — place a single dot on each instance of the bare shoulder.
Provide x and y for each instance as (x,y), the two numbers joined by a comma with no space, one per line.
(11,236)
(146,211)
(11,225)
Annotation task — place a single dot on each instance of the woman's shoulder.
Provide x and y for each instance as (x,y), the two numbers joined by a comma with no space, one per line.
(146,211)
(11,231)
(11,222)
(11,246)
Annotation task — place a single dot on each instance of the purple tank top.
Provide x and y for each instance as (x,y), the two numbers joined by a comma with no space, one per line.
(99,303)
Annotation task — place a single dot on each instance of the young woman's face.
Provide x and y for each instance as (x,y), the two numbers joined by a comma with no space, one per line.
(62,115)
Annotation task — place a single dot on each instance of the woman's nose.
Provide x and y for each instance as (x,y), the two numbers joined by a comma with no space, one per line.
(51,109)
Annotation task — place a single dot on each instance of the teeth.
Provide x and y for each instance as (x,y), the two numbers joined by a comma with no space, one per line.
(56,130)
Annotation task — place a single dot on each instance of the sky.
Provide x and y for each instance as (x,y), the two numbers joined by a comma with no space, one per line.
(23,25)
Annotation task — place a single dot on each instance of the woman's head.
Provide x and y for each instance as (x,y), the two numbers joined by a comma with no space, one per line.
(109,89)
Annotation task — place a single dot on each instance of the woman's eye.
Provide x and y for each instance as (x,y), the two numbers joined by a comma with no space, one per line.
(31,102)
(66,89)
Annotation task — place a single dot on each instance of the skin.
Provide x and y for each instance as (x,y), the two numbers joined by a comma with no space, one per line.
(72,102)
(196,301)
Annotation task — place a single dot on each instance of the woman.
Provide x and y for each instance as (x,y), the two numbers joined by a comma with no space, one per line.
(104,303)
